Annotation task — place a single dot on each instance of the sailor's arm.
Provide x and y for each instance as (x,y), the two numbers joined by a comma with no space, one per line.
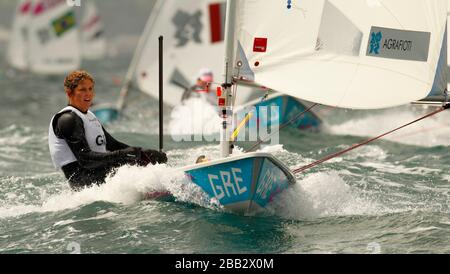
(112,144)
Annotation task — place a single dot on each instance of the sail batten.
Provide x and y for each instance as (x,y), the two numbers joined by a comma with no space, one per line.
(376,56)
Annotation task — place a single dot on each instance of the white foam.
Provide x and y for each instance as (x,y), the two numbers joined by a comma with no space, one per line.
(429,132)
(368,151)
(399,169)
(321,195)
(15,136)
(272,149)
(128,186)
(386,183)
(446,177)
(107,215)
(445,222)
(423,229)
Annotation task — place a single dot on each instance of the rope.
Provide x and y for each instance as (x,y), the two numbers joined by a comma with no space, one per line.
(334,155)
(240,126)
(245,120)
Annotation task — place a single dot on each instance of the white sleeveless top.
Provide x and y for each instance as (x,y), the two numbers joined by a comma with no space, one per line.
(59,149)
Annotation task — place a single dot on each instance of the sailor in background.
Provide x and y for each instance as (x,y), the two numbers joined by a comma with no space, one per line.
(81,147)
(202,89)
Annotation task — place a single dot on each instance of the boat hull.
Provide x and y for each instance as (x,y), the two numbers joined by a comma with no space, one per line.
(289,108)
(243,184)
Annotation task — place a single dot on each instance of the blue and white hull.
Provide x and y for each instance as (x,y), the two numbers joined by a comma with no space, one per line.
(106,113)
(289,107)
(243,184)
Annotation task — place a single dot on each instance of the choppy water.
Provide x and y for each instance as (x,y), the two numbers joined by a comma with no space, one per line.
(390,197)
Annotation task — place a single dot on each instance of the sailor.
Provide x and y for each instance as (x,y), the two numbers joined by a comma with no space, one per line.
(202,89)
(81,147)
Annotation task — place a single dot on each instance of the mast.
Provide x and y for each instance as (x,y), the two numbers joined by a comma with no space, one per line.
(161,98)
(137,54)
(226,109)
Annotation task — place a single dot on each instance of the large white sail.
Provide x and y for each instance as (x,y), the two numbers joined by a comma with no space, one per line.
(193,39)
(345,53)
(54,38)
(17,47)
(93,42)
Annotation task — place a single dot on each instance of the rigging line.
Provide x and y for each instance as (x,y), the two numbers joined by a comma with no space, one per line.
(301,169)
(283,126)
(246,119)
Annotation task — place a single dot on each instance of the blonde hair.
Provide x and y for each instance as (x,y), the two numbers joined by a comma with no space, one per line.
(74,78)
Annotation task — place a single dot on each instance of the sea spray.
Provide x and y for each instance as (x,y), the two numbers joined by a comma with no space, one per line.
(323,194)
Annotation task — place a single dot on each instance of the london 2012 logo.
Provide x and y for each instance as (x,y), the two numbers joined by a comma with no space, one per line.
(289,4)
(375,41)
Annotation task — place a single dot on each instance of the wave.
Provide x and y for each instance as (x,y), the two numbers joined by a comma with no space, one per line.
(430,132)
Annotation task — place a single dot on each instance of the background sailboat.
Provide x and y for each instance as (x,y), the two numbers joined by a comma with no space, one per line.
(47,39)
(54,46)
(193,38)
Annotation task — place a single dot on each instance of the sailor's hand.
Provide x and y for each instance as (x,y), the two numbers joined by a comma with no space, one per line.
(132,154)
(161,157)
(154,156)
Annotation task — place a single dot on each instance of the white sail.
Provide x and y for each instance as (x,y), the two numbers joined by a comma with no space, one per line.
(346,53)
(448,54)
(437,93)
(54,38)
(440,84)
(193,39)
(93,42)
(448,25)
(17,47)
